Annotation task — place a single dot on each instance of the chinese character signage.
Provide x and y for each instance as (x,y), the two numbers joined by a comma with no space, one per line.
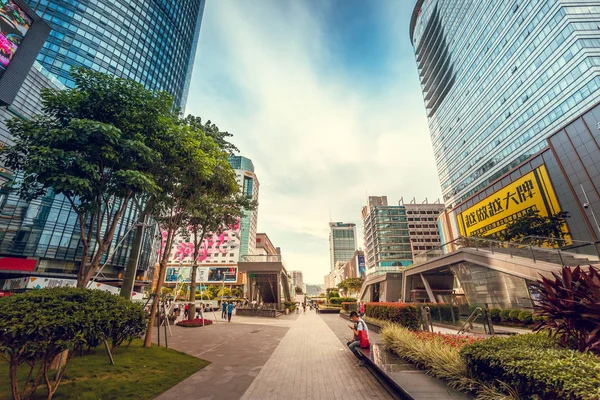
(490,216)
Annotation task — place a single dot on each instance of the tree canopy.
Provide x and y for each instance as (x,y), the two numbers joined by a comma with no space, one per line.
(539,230)
(93,145)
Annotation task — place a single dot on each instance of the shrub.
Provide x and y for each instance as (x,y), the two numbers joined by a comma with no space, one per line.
(333,293)
(348,299)
(349,306)
(513,315)
(335,300)
(534,365)
(570,307)
(38,325)
(407,315)
(536,319)
(495,314)
(290,305)
(504,315)
(526,317)
(194,323)
(443,310)
(430,351)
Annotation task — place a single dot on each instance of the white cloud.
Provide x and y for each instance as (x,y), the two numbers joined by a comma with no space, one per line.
(319,142)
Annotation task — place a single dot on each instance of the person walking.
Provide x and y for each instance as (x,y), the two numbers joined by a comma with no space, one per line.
(186,310)
(224,310)
(230,308)
(361,308)
(354,345)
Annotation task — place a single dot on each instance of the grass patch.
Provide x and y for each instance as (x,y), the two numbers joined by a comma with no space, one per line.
(139,373)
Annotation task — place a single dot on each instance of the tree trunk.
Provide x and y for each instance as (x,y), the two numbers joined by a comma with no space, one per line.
(133,259)
(81,281)
(14,380)
(192,304)
(161,278)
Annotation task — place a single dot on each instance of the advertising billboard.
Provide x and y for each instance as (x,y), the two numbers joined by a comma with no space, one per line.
(14,24)
(22,35)
(489,217)
(361,266)
(204,274)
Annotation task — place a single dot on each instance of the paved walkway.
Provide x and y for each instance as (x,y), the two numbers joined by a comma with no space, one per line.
(311,363)
(237,351)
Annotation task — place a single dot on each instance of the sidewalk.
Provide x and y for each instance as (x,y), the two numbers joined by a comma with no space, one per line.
(311,363)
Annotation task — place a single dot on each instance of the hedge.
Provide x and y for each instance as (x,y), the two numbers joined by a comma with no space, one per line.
(37,326)
(535,365)
(194,323)
(407,315)
(349,306)
(514,316)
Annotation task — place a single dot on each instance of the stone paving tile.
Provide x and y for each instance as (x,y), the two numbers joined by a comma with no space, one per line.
(311,363)
(236,350)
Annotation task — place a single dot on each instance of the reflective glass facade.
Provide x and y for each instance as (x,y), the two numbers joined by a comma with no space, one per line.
(150,41)
(498,77)
(342,242)
(244,170)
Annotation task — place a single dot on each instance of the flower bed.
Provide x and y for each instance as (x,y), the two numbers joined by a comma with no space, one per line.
(194,323)
(437,353)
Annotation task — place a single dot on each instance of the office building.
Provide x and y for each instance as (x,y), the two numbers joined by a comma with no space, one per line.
(298,280)
(246,179)
(264,246)
(342,242)
(150,41)
(423,228)
(499,78)
(386,235)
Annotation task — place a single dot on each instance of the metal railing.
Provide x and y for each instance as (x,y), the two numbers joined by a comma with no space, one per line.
(513,249)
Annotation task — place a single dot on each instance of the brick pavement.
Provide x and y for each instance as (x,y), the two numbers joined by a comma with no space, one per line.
(311,363)
(237,351)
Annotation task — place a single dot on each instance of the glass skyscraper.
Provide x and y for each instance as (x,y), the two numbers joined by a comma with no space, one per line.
(244,171)
(342,242)
(498,77)
(150,41)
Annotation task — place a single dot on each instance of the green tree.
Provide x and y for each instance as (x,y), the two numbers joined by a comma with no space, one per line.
(218,208)
(352,285)
(298,290)
(89,144)
(189,160)
(538,230)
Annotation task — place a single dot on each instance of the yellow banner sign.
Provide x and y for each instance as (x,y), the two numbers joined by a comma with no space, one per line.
(491,215)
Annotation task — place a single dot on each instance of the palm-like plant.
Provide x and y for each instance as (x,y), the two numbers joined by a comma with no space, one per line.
(570,307)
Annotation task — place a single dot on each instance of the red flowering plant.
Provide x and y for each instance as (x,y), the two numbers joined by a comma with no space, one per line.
(194,323)
(447,339)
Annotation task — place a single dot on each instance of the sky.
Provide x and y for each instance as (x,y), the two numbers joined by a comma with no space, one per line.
(323,96)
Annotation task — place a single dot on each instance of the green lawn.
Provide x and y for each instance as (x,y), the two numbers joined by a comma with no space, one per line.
(138,373)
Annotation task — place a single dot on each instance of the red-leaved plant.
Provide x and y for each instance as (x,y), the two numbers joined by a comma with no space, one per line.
(570,307)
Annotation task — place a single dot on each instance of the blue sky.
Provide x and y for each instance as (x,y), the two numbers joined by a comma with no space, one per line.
(324,97)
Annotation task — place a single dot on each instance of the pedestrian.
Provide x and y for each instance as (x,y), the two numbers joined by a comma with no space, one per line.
(297,307)
(224,310)
(230,308)
(317,307)
(361,308)
(304,306)
(185,310)
(354,345)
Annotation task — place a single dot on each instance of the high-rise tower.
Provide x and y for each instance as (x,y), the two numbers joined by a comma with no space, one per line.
(342,242)
(498,78)
(150,41)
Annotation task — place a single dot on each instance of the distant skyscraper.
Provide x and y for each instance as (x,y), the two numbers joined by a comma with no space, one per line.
(423,228)
(499,77)
(150,41)
(297,279)
(342,242)
(386,233)
(244,169)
